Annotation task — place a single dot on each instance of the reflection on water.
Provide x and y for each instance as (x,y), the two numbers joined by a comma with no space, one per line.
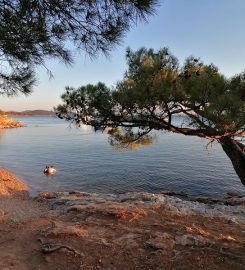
(2,131)
(86,161)
(129,139)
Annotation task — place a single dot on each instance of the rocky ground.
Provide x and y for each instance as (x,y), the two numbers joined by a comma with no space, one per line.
(6,122)
(79,230)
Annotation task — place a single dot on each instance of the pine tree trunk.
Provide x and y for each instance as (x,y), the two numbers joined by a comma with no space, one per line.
(236,155)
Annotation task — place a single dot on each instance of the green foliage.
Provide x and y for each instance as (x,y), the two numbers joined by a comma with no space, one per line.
(127,139)
(155,88)
(32,31)
(91,101)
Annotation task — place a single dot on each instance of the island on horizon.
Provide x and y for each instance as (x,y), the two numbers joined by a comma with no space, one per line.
(30,113)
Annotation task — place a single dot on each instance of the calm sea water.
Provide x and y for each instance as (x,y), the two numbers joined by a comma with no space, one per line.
(86,161)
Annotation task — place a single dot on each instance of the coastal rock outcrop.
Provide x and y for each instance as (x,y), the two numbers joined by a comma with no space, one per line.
(10,185)
(136,203)
(6,122)
(15,203)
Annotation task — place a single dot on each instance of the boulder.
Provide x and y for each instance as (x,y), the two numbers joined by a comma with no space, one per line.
(10,185)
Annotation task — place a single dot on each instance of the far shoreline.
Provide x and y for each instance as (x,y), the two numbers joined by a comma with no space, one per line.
(31,113)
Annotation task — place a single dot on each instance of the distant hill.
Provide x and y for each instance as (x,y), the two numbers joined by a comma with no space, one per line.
(30,113)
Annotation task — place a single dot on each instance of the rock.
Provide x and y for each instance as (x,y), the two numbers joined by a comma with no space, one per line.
(185,240)
(48,195)
(79,193)
(232,221)
(183,193)
(64,229)
(126,206)
(235,201)
(205,200)
(167,192)
(162,241)
(10,185)
(6,122)
(232,194)
(129,241)
(105,242)
(192,240)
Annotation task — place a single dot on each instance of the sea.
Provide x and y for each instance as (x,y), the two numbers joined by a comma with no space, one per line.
(86,161)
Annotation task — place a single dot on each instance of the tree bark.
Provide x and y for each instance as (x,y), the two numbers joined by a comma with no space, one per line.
(236,154)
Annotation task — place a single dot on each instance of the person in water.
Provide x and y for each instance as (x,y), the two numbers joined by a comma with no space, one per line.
(49,170)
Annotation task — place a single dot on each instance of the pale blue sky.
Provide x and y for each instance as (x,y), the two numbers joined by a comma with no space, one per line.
(210,29)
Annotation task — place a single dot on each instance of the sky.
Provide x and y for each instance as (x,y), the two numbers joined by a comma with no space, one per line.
(210,29)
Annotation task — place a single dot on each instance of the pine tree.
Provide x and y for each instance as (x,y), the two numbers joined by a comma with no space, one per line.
(156,88)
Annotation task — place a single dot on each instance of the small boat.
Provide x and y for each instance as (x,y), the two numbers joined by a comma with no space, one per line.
(49,170)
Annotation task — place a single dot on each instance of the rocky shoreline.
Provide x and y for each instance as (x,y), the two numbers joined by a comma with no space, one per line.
(6,122)
(137,230)
(230,208)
